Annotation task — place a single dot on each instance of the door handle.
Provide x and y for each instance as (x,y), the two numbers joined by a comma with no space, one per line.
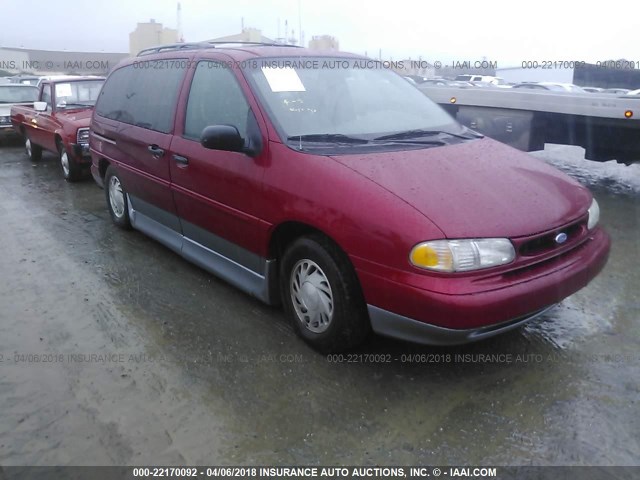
(181,159)
(155,150)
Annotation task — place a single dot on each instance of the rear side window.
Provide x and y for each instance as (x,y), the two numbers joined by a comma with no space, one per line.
(144,97)
(215,98)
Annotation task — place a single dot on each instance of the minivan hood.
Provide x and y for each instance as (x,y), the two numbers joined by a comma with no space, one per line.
(480,188)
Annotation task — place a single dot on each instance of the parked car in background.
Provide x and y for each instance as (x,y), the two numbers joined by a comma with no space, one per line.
(537,86)
(11,95)
(485,85)
(593,89)
(616,91)
(25,79)
(480,79)
(550,86)
(633,92)
(441,82)
(344,194)
(59,122)
(417,78)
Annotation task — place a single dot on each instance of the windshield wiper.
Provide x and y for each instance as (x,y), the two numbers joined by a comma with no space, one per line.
(421,133)
(327,137)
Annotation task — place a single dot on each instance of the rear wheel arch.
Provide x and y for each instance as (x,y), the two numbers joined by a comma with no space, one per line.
(33,151)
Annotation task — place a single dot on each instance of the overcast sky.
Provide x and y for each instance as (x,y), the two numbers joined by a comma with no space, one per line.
(506,31)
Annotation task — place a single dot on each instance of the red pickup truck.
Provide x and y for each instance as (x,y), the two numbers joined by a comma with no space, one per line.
(59,122)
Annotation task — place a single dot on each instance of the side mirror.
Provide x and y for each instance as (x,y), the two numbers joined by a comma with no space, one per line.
(222,137)
(40,106)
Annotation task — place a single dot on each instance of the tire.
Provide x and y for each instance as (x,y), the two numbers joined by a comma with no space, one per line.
(33,151)
(322,296)
(116,196)
(71,171)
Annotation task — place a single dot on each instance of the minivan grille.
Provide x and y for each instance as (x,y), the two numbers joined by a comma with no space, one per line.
(548,241)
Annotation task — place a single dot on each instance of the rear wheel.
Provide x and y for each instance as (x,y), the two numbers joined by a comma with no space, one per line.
(321,295)
(117,201)
(34,152)
(71,170)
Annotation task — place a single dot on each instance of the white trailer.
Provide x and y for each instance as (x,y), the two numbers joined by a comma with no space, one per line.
(606,126)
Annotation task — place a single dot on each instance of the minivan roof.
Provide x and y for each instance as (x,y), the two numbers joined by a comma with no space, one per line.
(172,47)
(241,50)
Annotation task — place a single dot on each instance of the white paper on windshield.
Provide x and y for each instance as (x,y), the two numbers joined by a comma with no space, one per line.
(63,90)
(283,79)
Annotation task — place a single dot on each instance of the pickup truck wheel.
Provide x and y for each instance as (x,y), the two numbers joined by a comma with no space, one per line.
(71,171)
(34,152)
(321,295)
(117,202)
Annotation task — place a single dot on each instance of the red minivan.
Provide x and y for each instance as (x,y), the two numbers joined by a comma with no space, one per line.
(328,183)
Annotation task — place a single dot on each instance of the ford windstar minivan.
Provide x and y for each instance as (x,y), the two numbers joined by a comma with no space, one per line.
(328,183)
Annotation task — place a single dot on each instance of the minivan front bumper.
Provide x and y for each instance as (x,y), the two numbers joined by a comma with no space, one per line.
(393,325)
(403,311)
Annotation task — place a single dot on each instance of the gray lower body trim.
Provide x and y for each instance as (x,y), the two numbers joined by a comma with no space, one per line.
(223,247)
(152,212)
(397,326)
(260,284)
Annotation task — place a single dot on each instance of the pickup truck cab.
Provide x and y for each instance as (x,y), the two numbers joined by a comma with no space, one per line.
(59,122)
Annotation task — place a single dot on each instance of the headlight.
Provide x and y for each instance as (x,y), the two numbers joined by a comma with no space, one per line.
(83,135)
(462,255)
(594,215)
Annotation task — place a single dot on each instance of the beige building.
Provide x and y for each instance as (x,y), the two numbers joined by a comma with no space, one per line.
(324,42)
(247,35)
(150,34)
(416,67)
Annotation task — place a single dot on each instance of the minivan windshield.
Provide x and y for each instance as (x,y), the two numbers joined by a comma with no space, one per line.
(321,98)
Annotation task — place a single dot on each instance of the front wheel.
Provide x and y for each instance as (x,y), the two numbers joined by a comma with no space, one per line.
(322,296)
(117,201)
(33,151)
(71,170)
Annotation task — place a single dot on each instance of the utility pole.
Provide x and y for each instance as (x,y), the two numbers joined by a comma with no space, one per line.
(179,23)
(300,23)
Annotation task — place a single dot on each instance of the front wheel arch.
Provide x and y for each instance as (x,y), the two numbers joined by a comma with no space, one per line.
(346,321)
(71,170)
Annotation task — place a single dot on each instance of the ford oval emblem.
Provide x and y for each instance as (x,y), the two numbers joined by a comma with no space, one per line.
(561,238)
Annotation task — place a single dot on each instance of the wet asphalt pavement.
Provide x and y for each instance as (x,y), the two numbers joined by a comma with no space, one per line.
(114,350)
